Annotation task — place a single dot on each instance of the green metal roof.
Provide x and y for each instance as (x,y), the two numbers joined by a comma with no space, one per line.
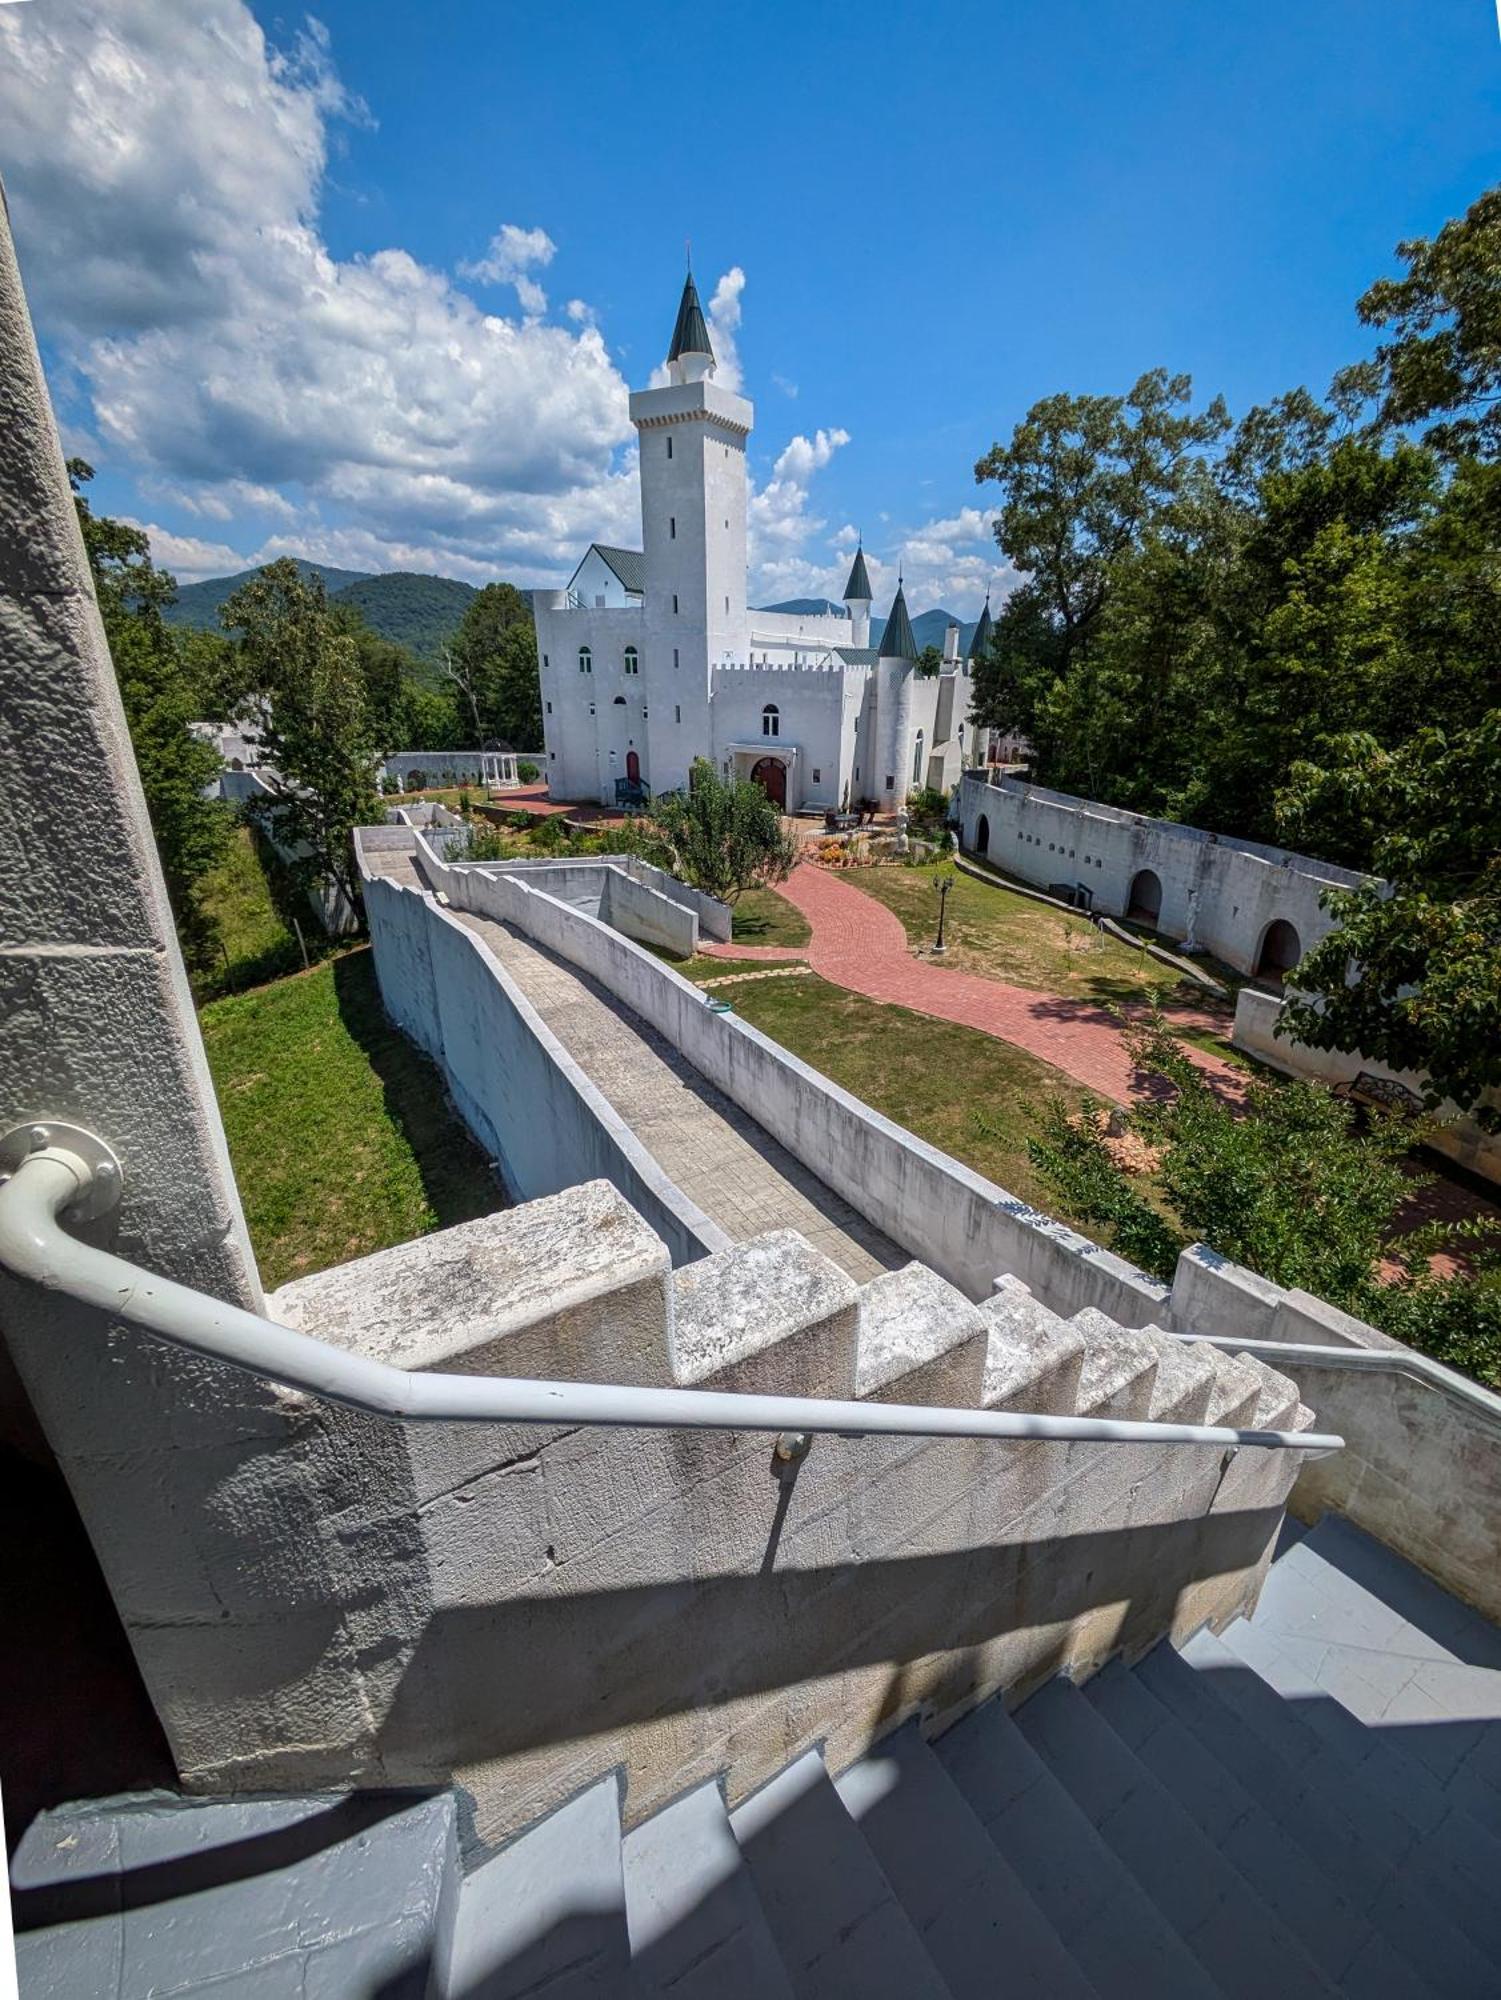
(979,645)
(628,564)
(858,586)
(690,335)
(858,656)
(897,642)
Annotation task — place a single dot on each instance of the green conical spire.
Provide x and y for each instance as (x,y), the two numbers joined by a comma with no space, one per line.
(897,642)
(691,334)
(858,587)
(979,646)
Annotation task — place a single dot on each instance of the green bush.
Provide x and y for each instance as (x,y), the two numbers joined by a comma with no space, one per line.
(528,772)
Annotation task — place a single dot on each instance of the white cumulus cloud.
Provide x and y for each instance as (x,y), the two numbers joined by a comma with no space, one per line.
(512,256)
(166,165)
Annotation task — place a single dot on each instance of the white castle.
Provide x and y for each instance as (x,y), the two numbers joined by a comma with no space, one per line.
(652,658)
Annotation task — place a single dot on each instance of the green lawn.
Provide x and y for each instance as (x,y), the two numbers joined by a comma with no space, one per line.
(764,917)
(976,1097)
(340,1134)
(993,931)
(252,902)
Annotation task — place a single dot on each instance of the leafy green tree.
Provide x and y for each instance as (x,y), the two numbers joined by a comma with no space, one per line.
(161,672)
(1288,1185)
(1412,976)
(492,670)
(929,663)
(723,835)
(316,730)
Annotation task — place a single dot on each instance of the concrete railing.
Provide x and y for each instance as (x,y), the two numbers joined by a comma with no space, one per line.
(1422,1466)
(956,1221)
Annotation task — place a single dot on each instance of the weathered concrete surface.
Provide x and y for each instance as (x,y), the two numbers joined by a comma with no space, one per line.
(254,1551)
(921,1341)
(960,1224)
(1221,894)
(1421,1468)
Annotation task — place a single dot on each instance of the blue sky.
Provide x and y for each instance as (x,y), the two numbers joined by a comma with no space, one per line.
(372,290)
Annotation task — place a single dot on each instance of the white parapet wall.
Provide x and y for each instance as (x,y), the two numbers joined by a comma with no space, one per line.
(964,1226)
(1448,1130)
(1221,895)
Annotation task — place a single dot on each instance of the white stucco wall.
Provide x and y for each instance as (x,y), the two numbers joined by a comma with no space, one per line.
(1222,893)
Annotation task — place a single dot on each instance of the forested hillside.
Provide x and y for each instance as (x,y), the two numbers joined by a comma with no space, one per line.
(421,613)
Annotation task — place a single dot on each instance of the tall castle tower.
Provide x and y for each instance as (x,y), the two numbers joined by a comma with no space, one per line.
(693,535)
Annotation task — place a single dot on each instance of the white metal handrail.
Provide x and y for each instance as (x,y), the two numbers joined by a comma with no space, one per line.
(82,1175)
(1363,1360)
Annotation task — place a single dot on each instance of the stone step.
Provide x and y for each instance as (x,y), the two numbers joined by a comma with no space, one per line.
(980,1926)
(1326,1805)
(1443,1701)
(323,1896)
(838,1926)
(697,1929)
(1314,1822)
(1098,1909)
(1283,1877)
(1240,1942)
(547,1914)
(1450,1838)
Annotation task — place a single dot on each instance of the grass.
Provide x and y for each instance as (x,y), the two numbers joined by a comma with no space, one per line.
(991,930)
(252,902)
(764,917)
(338,1127)
(930,1076)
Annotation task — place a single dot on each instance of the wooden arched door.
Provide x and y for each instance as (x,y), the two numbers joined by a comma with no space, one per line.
(633,767)
(771,775)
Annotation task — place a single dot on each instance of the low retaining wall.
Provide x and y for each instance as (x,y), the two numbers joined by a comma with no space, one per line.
(956,1221)
(1451,1133)
(515,1084)
(1421,1468)
(329,904)
(1220,893)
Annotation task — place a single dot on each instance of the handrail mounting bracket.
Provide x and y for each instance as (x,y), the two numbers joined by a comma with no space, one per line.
(38,1135)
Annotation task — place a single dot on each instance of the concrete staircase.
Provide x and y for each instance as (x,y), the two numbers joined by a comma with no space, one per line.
(1309,1804)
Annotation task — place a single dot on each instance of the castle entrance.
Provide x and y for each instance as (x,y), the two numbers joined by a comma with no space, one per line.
(771,775)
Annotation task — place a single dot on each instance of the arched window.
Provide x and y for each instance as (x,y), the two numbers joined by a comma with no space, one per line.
(771,721)
(917,759)
(586,660)
(632,661)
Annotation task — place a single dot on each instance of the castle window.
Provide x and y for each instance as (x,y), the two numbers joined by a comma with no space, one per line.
(672,527)
(544,661)
(549,708)
(618,702)
(632,660)
(917,759)
(771,721)
(591,708)
(669,444)
(674,656)
(677,713)
(674,604)
(586,660)
(817,776)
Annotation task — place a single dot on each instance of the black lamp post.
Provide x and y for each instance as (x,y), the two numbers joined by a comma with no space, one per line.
(943,884)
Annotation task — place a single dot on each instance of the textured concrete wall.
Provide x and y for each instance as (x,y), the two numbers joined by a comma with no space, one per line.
(961,1224)
(517,1087)
(1421,1468)
(1222,893)
(1451,1133)
(253,1545)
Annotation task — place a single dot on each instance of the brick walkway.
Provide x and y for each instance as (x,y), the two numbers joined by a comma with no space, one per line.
(859,943)
(709,948)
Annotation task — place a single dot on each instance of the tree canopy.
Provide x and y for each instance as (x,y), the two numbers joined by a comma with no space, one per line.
(723,835)
(1289,628)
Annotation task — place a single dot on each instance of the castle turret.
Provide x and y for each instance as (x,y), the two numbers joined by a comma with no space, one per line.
(857,598)
(690,357)
(979,645)
(894,705)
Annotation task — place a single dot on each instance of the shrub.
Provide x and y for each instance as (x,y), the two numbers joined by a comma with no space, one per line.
(528,772)
(416,781)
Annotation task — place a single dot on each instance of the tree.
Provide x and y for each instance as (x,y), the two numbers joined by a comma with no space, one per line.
(316,732)
(159,671)
(724,836)
(492,666)
(929,663)
(1412,976)
(1286,1184)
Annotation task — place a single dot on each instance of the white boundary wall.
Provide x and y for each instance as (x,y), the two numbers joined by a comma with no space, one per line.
(1222,894)
(1453,1134)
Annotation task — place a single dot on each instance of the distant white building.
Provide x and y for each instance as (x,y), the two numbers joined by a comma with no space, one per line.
(651,658)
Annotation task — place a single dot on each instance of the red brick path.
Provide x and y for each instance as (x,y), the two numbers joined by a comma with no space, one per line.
(859,943)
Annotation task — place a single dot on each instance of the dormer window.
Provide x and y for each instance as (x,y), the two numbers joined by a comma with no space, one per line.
(586,660)
(771,720)
(632,660)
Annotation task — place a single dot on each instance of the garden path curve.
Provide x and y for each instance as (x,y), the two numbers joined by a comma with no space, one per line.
(859,943)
